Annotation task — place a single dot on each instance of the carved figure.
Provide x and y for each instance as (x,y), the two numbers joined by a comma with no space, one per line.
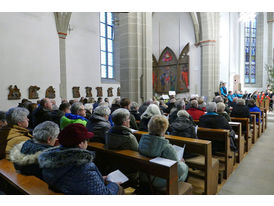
(75,92)
(33,94)
(14,93)
(118,91)
(110,93)
(50,93)
(88,91)
(99,91)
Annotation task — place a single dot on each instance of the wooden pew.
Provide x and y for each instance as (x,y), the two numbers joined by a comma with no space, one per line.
(253,128)
(245,131)
(264,119)
(204,162)
(237,127)
(259,123)
(18,184)
(135,160)
(220,135)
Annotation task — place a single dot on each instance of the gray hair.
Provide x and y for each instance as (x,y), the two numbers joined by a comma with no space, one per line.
(240,101)
(16,115)
(119,116)
(220,107)
(180,104)
(134,106)
(183,113)
(88,107)
(211,107)
(218,99)
(151,110)
(75,107)
(43,131)
(102,110)
(194,103)
(116,101)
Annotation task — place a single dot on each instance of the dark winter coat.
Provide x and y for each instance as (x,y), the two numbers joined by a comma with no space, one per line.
(121,137)
(99,126)
(71,171)
(25,157)
(136,114)
(114,107)
(240,111)
(215,121)
(173,116)
(143,123)
(183,127)
(225,115)
(41,115)
(133,124)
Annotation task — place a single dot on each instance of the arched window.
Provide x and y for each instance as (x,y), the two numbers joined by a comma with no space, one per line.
(106,39)
(250,51)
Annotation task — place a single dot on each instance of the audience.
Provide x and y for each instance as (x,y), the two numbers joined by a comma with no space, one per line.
(15,131)
(154,144)
(98,123)
(115,104)
(125,102)
(77,115)
(151,111)
(183,126)
(144,106)
(179,105)
(120,135)
(69,168)
(134,110)
(64,108)
(25,155)
(89,109)
(240,109)
(214,121)
(96,104)
(221,111)
(43,112)
(194,111)
(253,108)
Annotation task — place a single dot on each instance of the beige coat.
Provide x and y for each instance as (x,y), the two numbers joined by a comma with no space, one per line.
(10,136)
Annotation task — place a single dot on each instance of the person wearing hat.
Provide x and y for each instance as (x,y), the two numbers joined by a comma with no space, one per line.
(69,168)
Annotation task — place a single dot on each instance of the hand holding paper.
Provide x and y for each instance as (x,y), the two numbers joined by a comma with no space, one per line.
(117,176)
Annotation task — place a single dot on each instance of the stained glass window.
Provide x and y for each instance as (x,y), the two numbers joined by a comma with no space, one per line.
(250,52)
(106,38)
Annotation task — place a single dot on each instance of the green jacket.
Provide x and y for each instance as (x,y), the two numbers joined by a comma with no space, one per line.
(156,146)
(65,121)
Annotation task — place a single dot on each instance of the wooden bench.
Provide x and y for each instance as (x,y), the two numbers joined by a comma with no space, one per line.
(264,119)
(245,131)
(259,123)
(135,160)
(237,127)
(204,161)
(226,159)
(18,184)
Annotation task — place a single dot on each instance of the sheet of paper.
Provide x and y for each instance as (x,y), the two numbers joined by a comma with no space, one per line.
(163,161)
(133,130)
(117,176)
(179,151)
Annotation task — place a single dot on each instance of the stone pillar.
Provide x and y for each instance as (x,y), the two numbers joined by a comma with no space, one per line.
(210,54)
(135,35)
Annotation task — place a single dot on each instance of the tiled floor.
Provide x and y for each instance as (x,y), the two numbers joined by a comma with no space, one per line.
(255,174)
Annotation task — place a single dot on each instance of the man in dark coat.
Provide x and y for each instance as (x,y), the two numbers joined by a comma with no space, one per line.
(179,105)
(240,110)
(43,112)
(214,121)
(98,123)
(125,102)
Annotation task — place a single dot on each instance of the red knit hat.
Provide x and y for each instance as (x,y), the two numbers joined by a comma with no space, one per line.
(73,135)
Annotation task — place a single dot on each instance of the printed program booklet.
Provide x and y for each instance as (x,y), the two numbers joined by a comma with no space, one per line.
(180,151)
(117,176)
(163,161)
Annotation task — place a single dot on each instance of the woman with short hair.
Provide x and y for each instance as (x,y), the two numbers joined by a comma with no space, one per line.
(15,132)
(154,144)
(151,111)
(221,111)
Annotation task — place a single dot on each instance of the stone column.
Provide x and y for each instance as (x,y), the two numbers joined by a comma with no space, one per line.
(210,53)
(135,35)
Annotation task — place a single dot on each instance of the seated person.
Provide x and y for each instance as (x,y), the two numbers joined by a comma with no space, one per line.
(194,111)
(253,108)
(201,104)
(214,121)
(25,155)
(120,135)
(115,104)
(89,109)
(154,144)
(240,110)
(179,105)
(15,132)
(125,102)
(98,123)
(77,115)
(221,111)
(43,112)
(3,119)
(151,111)
(134,110)
(69,168)
(183,126)
(64,108)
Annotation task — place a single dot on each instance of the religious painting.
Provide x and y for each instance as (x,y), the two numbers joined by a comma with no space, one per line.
(88,91)
(183,71)
(154,73)
(99,91)
(110,93)
(14,93)
(33,94)
(75,92)
(167,72)
(50,92)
